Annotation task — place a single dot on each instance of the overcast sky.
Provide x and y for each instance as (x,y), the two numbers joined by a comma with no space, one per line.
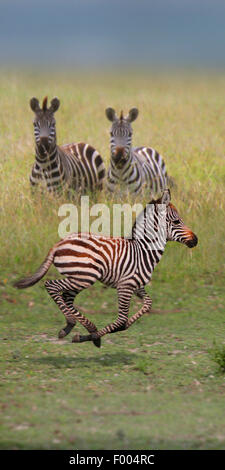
(113,32)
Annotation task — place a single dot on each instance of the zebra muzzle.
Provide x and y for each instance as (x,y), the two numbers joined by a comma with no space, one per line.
(120,157)
(192,242)
(44,141)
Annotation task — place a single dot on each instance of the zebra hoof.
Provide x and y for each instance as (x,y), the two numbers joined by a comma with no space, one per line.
(61,334)
(97,342)
(76,338)
(80,339)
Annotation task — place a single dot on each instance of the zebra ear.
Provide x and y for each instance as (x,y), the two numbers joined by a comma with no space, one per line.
(132,115)
(55,103)
(110,114)
(166,197)
(34,104)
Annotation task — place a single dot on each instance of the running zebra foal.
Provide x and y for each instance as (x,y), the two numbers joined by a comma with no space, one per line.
(135,167)
(122,263)
(76,166)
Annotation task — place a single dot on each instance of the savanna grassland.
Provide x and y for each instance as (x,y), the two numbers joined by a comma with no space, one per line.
(160,384)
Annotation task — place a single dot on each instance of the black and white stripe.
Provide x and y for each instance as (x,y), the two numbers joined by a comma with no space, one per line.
(123,263)
(135,168)
(78,166)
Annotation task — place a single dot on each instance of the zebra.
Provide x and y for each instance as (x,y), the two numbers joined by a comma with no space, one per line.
(134,167)
(126,264)
(77,166)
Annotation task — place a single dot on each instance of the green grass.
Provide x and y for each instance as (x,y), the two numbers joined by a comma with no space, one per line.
(154,386)
(218,355)
(160,384)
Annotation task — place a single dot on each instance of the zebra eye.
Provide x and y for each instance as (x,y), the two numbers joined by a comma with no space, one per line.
(176,222)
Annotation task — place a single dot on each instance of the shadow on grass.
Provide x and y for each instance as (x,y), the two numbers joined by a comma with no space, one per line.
(108,360)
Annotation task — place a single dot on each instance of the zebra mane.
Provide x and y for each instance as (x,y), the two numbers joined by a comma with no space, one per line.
(121,116)
(44,104)
(141,218)
(155,201)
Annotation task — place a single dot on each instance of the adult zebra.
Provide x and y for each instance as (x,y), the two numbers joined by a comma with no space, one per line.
(123,263)
(134,167)
(76,166)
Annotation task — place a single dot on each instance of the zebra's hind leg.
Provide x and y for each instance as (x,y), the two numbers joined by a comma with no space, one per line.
(146,307)
(63,292)
(68,298)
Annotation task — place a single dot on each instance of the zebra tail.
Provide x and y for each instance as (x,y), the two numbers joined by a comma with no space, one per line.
(34,278)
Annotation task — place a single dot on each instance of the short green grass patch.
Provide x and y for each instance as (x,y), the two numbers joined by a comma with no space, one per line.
(218,356)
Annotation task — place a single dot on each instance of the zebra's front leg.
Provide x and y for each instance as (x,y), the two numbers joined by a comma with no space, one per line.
(110,183)
(63,293)
(124,297)
(146,307)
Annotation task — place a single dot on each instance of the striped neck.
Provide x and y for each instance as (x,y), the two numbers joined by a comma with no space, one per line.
(46,159)
(150,229)
(125,164)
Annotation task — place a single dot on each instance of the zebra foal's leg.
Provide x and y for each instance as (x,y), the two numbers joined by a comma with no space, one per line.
(68,298)
(124,297)
(63,293)
(146,307)
(61,296)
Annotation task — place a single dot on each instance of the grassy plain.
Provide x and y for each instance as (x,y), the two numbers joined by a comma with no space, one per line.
(158,384)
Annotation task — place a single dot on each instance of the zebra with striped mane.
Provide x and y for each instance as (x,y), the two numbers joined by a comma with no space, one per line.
(77,166)
(134,167)
(126,264)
